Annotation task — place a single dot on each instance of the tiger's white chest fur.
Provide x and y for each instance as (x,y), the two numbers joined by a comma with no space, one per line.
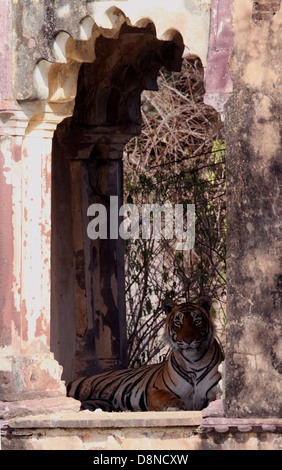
(193,380)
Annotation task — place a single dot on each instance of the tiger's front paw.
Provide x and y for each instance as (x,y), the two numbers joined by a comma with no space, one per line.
(162,400)
(176,404)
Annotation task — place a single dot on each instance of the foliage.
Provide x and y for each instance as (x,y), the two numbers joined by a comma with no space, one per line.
(179,158)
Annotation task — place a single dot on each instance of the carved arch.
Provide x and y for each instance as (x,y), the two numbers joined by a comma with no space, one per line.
(114,61)
(101,78)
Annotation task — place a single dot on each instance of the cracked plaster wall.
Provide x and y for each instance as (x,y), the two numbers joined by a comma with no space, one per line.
(253,128)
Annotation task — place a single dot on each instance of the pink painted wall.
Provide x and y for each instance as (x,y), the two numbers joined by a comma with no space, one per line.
(218,82)
(5,55)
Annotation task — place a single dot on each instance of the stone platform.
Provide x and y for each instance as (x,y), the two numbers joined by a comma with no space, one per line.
(69,429)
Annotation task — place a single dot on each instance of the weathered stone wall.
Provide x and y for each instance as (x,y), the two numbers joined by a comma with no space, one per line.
(254,169)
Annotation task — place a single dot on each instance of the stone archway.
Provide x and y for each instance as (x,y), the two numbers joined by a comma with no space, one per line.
(89,146)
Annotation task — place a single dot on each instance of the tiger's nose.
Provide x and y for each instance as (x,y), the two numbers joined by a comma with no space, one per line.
(188,340)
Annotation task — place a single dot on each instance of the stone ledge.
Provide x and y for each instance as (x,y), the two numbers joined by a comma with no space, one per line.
(63,413)
(40,406)
(100,419)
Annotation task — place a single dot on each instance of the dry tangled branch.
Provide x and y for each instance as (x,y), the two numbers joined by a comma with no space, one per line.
(179,158)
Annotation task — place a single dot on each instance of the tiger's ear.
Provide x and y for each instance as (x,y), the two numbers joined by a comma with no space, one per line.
(205,302)
(168,305)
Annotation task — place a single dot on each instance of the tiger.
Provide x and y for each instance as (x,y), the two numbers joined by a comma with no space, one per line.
(186,380)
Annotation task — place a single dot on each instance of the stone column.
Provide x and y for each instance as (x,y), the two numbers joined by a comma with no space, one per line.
(102,177)
(96,174)
(28,368)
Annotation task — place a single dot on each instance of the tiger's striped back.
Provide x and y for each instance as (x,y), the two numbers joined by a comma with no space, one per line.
(121,390)
(186,380)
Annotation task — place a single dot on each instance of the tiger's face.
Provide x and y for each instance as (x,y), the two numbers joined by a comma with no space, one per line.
(188,325)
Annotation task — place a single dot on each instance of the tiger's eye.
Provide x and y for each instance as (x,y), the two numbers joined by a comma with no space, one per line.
(196,318)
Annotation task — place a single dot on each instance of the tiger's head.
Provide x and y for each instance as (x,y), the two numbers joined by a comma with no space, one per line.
(188,326)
